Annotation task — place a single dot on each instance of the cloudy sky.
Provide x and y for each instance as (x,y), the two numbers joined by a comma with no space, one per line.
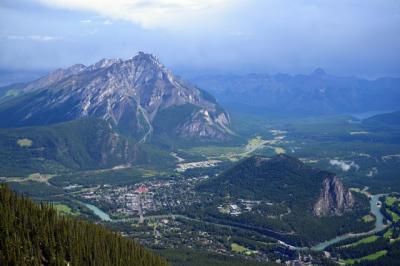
(194,37)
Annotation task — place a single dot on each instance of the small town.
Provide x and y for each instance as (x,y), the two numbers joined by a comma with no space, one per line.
(153,197)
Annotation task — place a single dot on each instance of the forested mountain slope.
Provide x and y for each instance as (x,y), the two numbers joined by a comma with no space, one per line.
(75,145)
(33,234)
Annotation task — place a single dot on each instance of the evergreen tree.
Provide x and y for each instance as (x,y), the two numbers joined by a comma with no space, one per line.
(34,234)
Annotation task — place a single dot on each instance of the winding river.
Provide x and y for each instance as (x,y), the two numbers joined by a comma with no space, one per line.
(374,205)
(99,213)
(379,225)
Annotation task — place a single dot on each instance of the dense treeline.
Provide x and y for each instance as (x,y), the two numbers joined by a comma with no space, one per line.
(34,234)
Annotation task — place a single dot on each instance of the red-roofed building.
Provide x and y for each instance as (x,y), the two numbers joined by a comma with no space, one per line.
(142,189)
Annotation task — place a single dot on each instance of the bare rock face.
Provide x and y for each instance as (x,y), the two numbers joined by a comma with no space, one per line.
(129,94)
(335,198)
(205,124)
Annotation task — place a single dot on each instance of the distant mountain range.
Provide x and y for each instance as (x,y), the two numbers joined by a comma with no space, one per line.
(139,97)
(314,94)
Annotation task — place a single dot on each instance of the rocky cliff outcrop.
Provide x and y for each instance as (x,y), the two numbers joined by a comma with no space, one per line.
(334,199)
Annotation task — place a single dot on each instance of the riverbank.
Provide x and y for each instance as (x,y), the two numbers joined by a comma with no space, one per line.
(374,209)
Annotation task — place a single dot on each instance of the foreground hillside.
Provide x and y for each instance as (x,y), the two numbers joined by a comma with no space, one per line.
(32,234)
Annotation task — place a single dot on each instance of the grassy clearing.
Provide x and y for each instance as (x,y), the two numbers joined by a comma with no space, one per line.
(241,249)
(24,143)
(365,240)
(279,150)
(216,151)
(38,177)
(390,200)
(370,257)
(150,172)
(224,209)
(394,215)
(232,153)
(368,218)
(254,143)
(65,209)
(238,248)
(388,234)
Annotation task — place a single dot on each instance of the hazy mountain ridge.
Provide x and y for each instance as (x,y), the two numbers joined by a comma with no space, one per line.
(316,93)
(129,94)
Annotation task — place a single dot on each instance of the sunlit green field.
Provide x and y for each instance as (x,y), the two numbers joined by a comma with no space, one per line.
(365,240)
(370,257)
(65,209)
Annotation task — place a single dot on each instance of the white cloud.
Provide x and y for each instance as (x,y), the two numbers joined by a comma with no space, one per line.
(107,22)
(344,165)
(86,21)
(36,38)
(173,14)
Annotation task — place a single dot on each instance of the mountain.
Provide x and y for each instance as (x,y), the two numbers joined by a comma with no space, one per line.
(286,178)
(33,234)
(387,119)
(75,145)
(334,198)
(139,97)
(314,94)
(285,195)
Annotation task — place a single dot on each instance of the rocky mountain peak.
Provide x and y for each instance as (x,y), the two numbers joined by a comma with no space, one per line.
(74,69)
(334,199)
(104,63)
(146,57)
(131,94)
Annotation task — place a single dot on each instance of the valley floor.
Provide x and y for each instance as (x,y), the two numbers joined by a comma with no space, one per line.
(167,200)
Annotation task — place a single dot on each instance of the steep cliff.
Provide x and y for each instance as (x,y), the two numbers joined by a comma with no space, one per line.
(335,198)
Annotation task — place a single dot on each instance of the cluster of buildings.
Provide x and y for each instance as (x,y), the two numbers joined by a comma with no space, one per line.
(149,197)
(182,167)
(237,208)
